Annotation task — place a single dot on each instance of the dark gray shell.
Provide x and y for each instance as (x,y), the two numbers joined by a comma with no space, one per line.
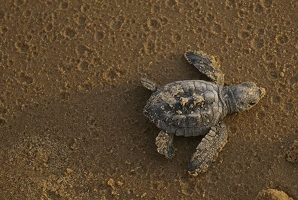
(186,108)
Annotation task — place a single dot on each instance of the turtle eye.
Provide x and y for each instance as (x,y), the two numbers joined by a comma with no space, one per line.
(252,103)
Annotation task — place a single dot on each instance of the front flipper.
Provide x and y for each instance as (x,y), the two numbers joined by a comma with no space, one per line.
(208,149)
(205,66)
(164,143)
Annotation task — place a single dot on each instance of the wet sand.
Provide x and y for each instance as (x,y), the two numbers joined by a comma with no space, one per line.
(71,123)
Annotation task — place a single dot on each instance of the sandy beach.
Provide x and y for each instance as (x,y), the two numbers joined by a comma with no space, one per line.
(71,101)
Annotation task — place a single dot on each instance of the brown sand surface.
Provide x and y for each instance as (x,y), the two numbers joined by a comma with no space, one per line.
(71,123)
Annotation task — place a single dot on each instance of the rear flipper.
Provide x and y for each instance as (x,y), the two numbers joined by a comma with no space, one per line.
(164,143)
(208,149)
(148,84)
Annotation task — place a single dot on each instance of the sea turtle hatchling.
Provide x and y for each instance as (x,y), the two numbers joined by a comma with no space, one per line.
(197,107)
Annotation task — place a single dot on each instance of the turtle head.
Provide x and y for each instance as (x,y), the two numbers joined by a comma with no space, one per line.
(243,96)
